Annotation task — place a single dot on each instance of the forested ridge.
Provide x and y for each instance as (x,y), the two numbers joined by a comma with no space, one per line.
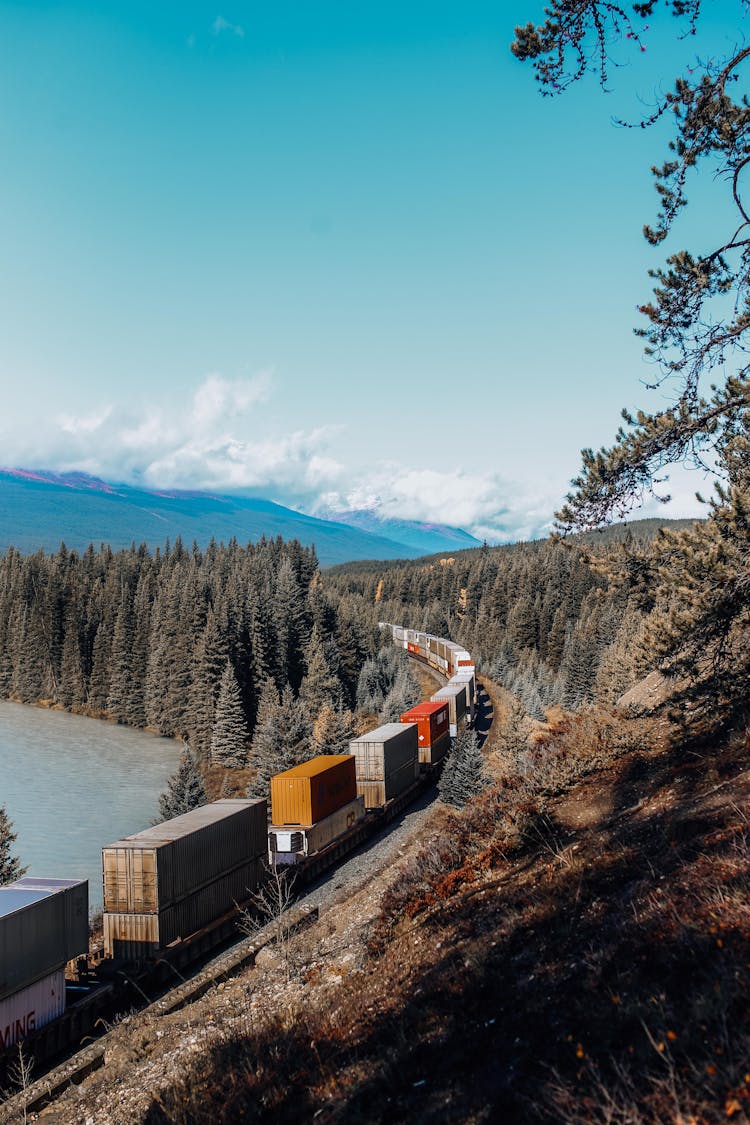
(238,651)
(146,639)
(557,623)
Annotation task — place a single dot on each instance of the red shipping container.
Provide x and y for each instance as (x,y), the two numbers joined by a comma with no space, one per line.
(432,719)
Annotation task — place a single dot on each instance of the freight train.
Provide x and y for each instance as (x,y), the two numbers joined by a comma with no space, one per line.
(172,893)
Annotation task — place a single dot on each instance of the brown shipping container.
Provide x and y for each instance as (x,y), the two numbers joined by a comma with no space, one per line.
(378,793)
(135,936)
(313,790)
(43,924)
(151,870)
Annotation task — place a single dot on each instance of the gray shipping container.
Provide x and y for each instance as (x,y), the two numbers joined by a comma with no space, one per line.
(455,697)
(468,679)
(134,936)
(159,867)
(387,762)
(43,924)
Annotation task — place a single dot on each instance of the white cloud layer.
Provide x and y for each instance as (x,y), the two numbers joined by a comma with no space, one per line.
(218,442)
(211,443)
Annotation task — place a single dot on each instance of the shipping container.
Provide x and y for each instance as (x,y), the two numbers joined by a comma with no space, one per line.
(464,659)
(135,936)
(466,677)
(455,696)
(291,844)
(30,1008)
(387,762)
(43,924)
(433,730)
(313,790)
(151,870)
(376,794)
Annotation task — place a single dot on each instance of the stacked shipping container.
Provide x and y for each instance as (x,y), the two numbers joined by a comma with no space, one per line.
(311,805)
(43,924)
(387,762)
(169,881)
(433,735)
(454,695)
(313,790)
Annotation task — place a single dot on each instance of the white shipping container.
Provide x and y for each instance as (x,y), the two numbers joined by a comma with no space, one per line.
(31,1008)
(293,844)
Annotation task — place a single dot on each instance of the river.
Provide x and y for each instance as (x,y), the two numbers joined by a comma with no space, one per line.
(72,784)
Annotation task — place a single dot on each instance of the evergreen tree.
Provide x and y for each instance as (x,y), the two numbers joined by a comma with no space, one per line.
(120,683)
(282,738)
(185,788)
(10,865)
(229,738)
(98,692)
(332,731)
(208,665)
(319,685)
(463,775)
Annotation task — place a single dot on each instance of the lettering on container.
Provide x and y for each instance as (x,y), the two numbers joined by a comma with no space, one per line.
(18,1029)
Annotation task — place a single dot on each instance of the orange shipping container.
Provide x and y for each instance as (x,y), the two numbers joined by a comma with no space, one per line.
(431,719)
(313,790)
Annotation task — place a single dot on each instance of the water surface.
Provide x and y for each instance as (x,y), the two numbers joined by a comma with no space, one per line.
(72,784)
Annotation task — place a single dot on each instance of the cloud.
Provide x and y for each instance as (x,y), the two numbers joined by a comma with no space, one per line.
(85,424)
(486,504)
(220,25)
(218,440)
(215,442)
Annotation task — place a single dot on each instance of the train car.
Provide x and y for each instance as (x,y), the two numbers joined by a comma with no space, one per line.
(168,882)
(433,730)
(386,762)
(312,804)
(455,697)
(465,676)
(44,923)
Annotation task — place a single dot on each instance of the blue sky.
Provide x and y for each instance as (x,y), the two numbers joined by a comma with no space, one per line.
(322,252)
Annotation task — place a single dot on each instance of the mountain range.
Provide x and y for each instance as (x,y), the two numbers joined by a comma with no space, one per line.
(41,509)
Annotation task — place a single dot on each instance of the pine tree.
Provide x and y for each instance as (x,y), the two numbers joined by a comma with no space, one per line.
(332,731)
(513,735)
(229,739)
(282,738)
(185,788)
(319,685)
(10,865)
(463,775)
(208,666)
(98,692)
(121,655)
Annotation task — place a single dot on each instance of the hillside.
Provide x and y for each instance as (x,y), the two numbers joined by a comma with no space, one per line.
(39,510)
(574,947)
